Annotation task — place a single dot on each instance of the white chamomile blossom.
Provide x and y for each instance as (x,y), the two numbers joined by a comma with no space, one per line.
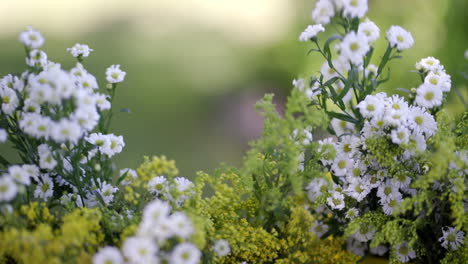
(391,203)
(421,121)
(352,213)
(158,185)
(399,38)
(31,38)
(358,189)
(357,247)
(87,118)
(370,30)
(108,255)
(46,160)
(348,144)
(140,250)
(8,188)
(130,175)
(12,82)
(114,74)
(9,100)
(66,130)
(428,64)
(311,32)
(37,58)
(397,103)
(316,187)
(327,149)
(319,229)
(341,165)
(101,102)
(364,233)
(44,189)
(439,79)
(386,189)
(340,127)
(336,201)
(112,145)
(328,72)
(80,50)
(221,247)
(32,170)
(354,8)
(354,47)
(107,192)
(19,174)
(155,211)
(185,253)
(323,12)
(183,184)
(371,107)
(3,135)
(182,226)
(380,250)
(405,253)
(428,96)
(452,238)
(31,106)
(400,135)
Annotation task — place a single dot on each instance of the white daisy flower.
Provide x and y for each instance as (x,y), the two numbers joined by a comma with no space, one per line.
(354,47)
(316,187)
(336,201)
(161,230)
(80,50)
(365,233)
(108,255)
(428,96)
(386,190)
(9,100)
(327,149)
(31,38)
(439,79)
(319,228)
(221,247)
(19,174)
(375,178)
(3,135)
(114,74)
(31,106)
(12,82)
(328,72)
(421,121)
(340,127)
(8,188)
(358,248)
(311,32)
(395,118)
(380,250)
(370,30)
(107,192)
(87,81)
(400,135)
(66,130)
(44,189)
(158,185)
(87,118)
(130,175)
(371,107)
(155,211)
(399,38)
(404,253)
(428,64)
(102,102)
(323,12)
(182,226)
(37,58)
(352,213)
(46,160)
(183,184)
(358,189)
(392,202)
(452,238)
(140,250)
(355,8)
(358,169)
(348,144)
(341,165)
(185,253)
(112,145)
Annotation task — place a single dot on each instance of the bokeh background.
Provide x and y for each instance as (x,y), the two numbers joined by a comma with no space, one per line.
(196,68)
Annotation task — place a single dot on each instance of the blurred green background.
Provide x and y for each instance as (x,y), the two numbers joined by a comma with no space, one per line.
(195,68)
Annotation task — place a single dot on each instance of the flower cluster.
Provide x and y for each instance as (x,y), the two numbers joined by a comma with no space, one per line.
(376,164)
(153,239)
(58,119)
